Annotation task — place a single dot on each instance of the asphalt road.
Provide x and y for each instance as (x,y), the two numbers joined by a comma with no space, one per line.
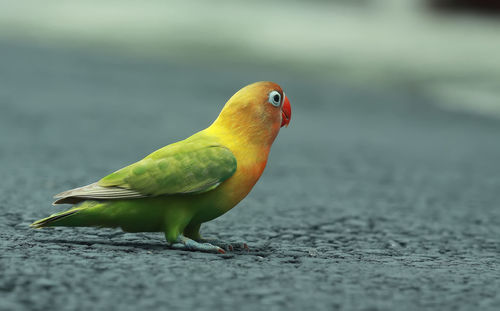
(371,200)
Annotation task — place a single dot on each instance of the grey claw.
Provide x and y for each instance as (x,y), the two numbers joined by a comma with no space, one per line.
(225,245)
(184,243)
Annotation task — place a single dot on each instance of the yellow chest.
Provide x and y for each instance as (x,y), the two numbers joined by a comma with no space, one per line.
(251,163)
(251,160)
(233,190)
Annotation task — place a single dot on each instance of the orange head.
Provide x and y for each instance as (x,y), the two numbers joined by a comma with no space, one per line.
(256,112)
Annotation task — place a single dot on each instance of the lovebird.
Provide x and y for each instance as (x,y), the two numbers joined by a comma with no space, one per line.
(185,184)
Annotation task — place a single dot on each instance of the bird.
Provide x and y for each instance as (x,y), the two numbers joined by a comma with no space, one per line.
(179,187)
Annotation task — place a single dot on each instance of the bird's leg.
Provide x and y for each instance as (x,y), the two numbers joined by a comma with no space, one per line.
(185,243)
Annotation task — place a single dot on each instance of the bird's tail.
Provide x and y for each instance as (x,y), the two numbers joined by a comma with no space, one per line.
(57,219)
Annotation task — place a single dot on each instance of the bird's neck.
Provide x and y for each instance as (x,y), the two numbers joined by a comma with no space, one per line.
(255,134)
(249,145)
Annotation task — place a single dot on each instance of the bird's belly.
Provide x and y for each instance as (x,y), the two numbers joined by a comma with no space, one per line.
(141,215)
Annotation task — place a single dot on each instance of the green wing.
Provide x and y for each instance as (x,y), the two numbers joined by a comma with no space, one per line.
(195,165)
(184,167)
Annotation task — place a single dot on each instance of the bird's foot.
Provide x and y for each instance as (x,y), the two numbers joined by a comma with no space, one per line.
(185,243)
(226,245)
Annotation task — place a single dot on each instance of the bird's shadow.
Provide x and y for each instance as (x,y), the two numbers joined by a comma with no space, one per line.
(128,247)
(137,245)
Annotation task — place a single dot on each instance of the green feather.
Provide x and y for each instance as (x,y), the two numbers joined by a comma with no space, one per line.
(195,165)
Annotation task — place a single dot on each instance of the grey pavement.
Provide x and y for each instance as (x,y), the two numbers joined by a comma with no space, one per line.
(372,200)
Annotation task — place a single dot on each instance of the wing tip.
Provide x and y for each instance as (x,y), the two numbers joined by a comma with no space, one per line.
(95,191)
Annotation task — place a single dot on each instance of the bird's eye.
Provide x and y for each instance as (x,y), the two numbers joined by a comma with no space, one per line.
(275,98)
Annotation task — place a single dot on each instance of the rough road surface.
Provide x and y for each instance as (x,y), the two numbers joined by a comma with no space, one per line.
(370,201)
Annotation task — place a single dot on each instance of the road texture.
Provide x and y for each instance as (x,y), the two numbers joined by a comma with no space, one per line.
(371,200)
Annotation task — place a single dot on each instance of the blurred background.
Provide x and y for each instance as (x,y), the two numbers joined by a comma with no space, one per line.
(448,49)
(382,194)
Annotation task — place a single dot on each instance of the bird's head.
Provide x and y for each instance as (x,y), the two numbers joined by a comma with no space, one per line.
(257,111)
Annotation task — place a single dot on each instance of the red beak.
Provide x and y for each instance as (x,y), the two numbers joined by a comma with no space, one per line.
(286,112)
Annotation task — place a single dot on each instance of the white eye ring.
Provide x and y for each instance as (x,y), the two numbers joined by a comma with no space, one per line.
(275,98)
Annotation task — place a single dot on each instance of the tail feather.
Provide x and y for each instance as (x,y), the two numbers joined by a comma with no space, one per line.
(50,221)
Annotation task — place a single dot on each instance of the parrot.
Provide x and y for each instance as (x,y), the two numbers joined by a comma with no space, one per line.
(177,188)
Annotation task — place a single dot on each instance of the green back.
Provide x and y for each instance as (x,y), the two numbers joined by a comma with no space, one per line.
(195,165)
